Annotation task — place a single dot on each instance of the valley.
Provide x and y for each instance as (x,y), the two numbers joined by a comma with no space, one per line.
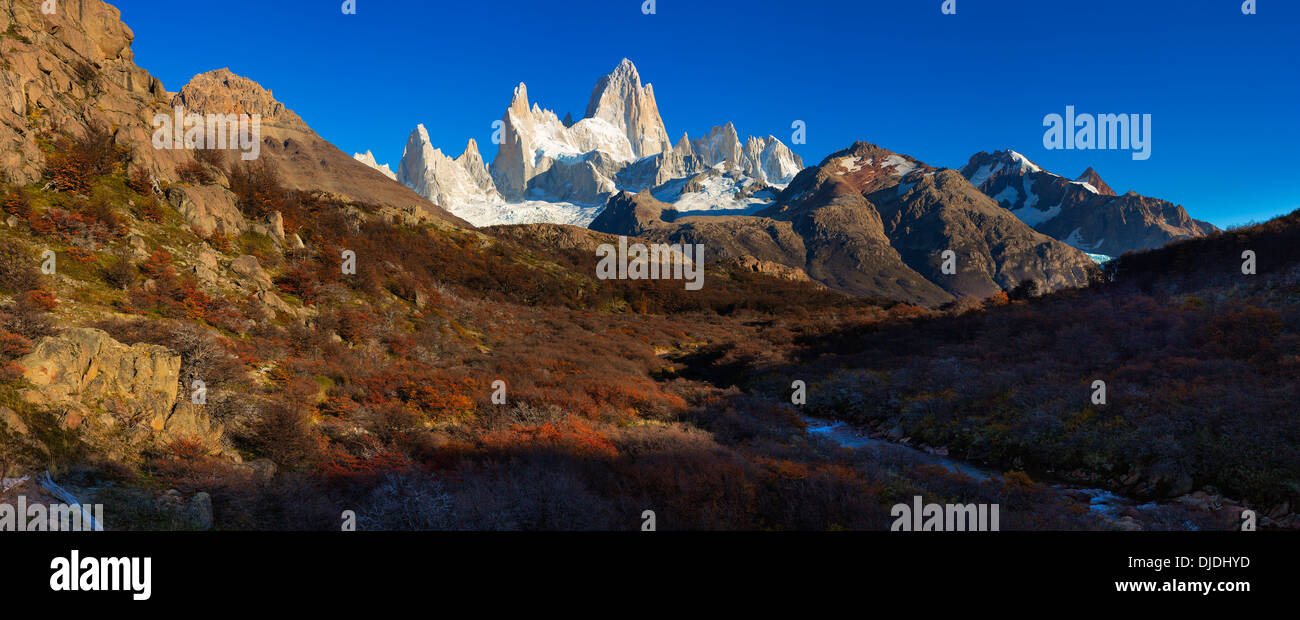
(452,344)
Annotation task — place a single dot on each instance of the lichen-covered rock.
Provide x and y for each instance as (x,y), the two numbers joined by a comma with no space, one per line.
(119,399)
(88,365)
(251,271)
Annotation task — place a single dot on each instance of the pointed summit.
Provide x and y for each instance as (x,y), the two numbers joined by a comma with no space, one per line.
(620,100)
(368,159)
(1091,177)
(471,149)
(720,146)
(519,100)
(452,183)
(683,146)
(477,170)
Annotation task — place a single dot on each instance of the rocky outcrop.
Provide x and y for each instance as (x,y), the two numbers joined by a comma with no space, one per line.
(208,209)
(73,70)
(69,71)
(773,269)
(251,271)
(1085,213)
(119,399)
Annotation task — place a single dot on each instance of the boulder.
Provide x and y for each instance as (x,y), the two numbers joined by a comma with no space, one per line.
(208,209)
(201,511)
(271,226)
(248,267)
(10,422)
(87,365)
(120,399)
(188,421)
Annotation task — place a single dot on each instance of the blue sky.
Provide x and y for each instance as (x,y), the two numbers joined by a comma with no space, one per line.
(1223,88)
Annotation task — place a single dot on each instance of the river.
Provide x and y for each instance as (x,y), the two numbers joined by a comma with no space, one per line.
(1100,501)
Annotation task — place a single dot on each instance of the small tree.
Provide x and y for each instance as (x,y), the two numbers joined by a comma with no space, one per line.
(1027,289)
(121,272)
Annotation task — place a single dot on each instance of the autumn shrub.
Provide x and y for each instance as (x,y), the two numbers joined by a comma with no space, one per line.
(152,211)
(28,314)
(77,162)
(95,223)
(13,346)
(16,203)
(300,281)
(121,271)
(194,173)
(215,158)
(353,325)
(158,265)
(257,188)
(283,434)
(141,181)
(81,255)
(40,299)
(18,271)
(219,242)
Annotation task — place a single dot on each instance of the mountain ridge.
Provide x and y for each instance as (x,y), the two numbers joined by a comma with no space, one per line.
(1085,213)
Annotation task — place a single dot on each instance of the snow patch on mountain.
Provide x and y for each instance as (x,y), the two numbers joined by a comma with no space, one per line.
(1034,217)
(728,192)
(901,165)
(1008,195)
(1087,186)
(491,213)
(1007,160)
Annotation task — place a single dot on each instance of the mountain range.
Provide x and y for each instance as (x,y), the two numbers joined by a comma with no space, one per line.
(559,171)
(867,221)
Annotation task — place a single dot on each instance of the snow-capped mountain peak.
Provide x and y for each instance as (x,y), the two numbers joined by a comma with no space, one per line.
(1084,212)
(620,100)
